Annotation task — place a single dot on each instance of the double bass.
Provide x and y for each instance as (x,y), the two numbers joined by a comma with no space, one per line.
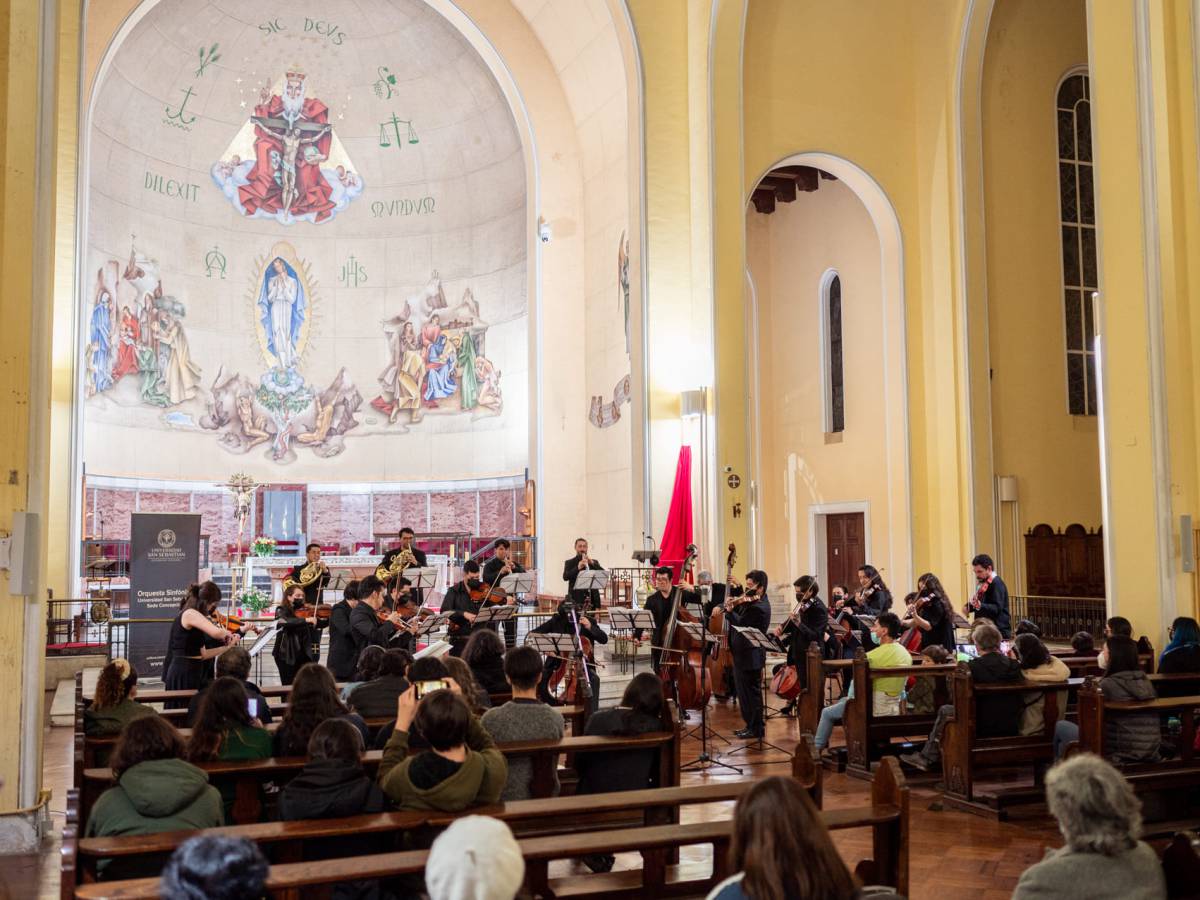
(682,656)
(570,681)
(720,666)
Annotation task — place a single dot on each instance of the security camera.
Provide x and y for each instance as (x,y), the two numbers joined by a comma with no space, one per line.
(545,233)
(728,469)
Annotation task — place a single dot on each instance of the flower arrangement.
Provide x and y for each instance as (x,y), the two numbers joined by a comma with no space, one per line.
(263,545)
(254,599)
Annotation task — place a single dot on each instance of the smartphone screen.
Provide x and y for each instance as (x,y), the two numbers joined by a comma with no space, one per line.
(428,687)
(252,707)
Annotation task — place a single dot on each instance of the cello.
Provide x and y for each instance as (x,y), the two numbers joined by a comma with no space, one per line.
(720,666)
(686,656)
(571,681)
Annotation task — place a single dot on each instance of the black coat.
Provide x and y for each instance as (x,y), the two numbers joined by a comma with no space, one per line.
(294,640)
(491,570)
(333,789)
(624,770)
(814,622)
(377,698)
(490,675)
(343,652)
(749,615)
(367,629)
(994,605)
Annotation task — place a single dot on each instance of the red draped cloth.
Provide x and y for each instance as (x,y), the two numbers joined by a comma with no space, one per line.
(677,533)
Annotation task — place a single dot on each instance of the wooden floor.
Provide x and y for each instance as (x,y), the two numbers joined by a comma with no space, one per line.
(953,854)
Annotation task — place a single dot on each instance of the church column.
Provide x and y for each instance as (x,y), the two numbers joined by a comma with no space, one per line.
(1148,224)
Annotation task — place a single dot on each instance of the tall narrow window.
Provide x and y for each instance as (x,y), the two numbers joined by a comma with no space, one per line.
(1078,214)
(837,390)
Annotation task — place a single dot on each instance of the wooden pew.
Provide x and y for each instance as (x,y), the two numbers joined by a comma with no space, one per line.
(1181,866)
(248,776)
(964,754)
(869,735)
(887,816)
(285,841)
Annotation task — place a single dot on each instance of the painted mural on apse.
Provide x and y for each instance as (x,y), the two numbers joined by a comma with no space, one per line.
(337,271)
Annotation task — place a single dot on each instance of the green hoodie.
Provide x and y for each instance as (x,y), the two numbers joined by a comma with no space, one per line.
(113,719)
(479,780)
(158,795)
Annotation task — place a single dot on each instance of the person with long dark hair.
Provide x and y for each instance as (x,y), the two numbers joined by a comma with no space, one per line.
(1182,653)
(484,654)
(782,849)
(294,635)
(224,728)
(186,642)
(1037,665)
(314,699)
(873,597)
(113,705)
(931,614)
(639,712)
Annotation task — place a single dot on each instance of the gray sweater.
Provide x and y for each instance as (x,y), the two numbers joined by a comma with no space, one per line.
(1064,874)
(522,720)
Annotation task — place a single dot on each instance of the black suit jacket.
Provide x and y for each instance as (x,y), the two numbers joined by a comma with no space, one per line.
(814,621)
(994,605)
(367,629)
(312,592)
(749,615)
(343,652)
(491,570)
(570,573)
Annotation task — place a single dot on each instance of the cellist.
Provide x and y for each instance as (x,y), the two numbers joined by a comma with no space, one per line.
(563,622)
(752,610)
(659,604)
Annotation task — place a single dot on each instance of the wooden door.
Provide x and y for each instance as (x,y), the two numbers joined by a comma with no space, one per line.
(845,550)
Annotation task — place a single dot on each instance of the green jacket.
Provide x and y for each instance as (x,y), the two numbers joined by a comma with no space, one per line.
(154,796)
(113,719)
(479,780)
(246,742)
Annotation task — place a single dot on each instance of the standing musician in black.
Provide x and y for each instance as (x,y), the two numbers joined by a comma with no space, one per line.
(807,623)
(401,598)
(496,570)
(563,622)
(461,601)
(659,604)
(571,569)
(312,575)
(752,610)
(365,624)
(405,556)
(342,650)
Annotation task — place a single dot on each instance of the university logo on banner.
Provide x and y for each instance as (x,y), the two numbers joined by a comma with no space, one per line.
(164,558)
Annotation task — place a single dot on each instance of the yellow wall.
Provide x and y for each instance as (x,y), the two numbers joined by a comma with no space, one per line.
(789,253)
(1055,456)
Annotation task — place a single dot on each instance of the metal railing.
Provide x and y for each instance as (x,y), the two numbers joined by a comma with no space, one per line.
(1060,618)
(76,627)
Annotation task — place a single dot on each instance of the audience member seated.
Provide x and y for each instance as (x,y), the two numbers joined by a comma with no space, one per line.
(484,653)
(493,870)
(314,699)
(1182,653)
(919,699)
(378,697)
(1128,737)
(523,718)
(224,729)
(1116,625)
(113,704)
(215,868)
(998,716)
(1100,820)
(640,712)
(429,668)
(234,663)
(1027,627)
(781,849)
(461,769)
(332,785)
(1039,666)
(1083,644)
(477,698)
(885,692)
(366,670)
(155,791)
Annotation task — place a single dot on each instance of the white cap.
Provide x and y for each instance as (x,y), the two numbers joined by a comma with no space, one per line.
(476,858)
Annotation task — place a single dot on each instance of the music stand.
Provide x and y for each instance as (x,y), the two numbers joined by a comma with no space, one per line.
(432,624)
(555,645)
(590,580)
(625,618)
(705,761)
(260,643)
(759,641)
(422,577)
(518,583)
(494,615)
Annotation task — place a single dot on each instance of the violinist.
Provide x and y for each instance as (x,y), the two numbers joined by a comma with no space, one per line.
(402,599)
(496,570)
(752,610)
(873,597)
(465,600)
(571,569)
(806,624)
(342,651)
(931,614)
(563,622)
(366,625)
(312,575)
(295,636)
(186,644)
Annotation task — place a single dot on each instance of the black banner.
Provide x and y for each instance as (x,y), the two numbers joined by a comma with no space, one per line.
(164,558)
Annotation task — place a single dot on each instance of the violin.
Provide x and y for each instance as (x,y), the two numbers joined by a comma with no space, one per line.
(320,613)
(232,624)
(488,595)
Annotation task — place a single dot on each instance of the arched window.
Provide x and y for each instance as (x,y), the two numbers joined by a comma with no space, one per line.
(1078,214)
(835,389)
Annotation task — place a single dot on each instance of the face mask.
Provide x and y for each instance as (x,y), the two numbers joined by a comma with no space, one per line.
(474,583)
(874,638)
